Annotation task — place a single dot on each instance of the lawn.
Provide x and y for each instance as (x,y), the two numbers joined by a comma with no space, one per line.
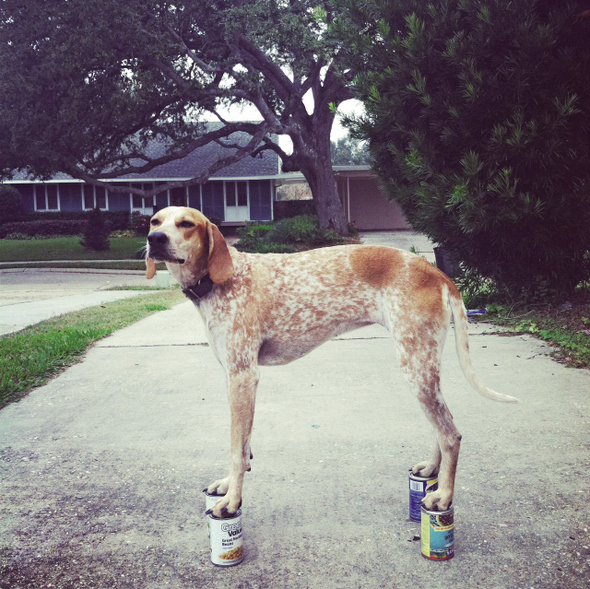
(32,356)
(67,248)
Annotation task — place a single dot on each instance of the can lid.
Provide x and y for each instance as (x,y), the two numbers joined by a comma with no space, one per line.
(209,512)
(436,511)
(214,494)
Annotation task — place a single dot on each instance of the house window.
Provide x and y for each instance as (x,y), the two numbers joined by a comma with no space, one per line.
(178,197)
(236,194)
(94,197)
(46,197)
(142,205)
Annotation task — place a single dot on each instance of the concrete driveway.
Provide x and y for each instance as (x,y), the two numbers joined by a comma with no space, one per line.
(102,469)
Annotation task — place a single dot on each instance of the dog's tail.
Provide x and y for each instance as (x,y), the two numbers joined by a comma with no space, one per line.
(462,343)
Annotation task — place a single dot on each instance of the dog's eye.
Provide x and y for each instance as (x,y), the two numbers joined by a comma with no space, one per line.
(154,222)
(186,224)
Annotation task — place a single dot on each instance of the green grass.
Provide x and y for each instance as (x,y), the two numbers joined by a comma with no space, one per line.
(66,248)
(32,356)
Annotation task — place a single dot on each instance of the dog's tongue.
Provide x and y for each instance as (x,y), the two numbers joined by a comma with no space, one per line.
(150,268)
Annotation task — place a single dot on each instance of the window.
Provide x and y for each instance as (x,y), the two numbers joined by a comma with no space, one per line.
(47,197)
(139,204)
(95,196)
(236,194)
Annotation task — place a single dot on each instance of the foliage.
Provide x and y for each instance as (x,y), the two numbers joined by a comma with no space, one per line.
(96,233)
(286,236)
(478,120)
(115,220)
(32,356)
(349,151)
(133,72)
(139,224)
(43,228)
(11,205)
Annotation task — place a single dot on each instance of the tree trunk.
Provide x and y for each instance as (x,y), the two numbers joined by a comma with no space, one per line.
(313,158)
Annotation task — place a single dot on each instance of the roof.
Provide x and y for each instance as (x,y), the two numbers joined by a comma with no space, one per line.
(263,165)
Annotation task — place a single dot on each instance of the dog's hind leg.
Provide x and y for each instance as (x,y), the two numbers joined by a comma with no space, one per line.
(431,466)
(420,345)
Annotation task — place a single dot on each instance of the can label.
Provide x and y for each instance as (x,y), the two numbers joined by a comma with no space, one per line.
(438,534)
(419,487)
(226,539)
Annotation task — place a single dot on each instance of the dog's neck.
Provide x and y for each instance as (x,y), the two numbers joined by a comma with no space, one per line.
(199,289)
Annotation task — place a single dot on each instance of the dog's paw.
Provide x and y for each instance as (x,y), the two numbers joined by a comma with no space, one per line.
(425,469)
(437,500)
(219,487)
(225,508)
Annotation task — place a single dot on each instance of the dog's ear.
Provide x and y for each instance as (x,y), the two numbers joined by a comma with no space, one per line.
(220,263)
(150,268)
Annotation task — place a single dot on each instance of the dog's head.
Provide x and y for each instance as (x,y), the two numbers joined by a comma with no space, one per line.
(184,236)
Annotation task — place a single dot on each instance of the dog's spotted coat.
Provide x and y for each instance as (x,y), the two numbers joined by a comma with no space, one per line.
(267,309)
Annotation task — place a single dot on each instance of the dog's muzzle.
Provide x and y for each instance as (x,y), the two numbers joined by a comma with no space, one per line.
(158,248)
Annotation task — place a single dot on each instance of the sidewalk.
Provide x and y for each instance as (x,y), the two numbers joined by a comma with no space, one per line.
(102,469)
(31,295)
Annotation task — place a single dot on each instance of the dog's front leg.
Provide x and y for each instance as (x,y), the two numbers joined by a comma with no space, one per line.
(242,396)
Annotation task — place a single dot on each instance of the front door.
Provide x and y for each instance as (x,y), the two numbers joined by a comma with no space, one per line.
(178,197)
(236,202)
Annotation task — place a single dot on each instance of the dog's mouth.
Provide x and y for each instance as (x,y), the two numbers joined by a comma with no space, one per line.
(163,256)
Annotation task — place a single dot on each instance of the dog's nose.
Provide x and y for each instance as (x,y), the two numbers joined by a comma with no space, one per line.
(157,238)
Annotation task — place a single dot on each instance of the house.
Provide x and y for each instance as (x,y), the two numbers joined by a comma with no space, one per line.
(365,204)
(240,192)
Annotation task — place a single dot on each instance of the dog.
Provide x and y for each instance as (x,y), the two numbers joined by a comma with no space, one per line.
(271,309)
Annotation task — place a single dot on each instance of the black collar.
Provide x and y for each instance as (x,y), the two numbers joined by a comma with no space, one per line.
(199,290)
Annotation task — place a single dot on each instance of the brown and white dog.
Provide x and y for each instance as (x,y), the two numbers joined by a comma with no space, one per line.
(265,309)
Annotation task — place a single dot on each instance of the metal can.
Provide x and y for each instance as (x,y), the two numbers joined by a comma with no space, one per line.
(226,539)
(438,534)
(419,486)
(211,499)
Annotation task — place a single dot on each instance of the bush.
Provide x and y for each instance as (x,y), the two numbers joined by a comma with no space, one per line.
(478,121)
(96,233)
(114,220)
(139,224)
(11,205)
(285,209)
(43,228)
(286,236)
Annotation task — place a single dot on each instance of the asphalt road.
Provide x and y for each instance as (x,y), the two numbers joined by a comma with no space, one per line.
(102,469)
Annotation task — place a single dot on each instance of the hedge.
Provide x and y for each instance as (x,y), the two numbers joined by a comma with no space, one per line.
(34,228)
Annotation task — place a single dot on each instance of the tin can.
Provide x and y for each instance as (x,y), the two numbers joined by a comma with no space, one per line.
(419,486)
(438,534)
(226,539)
(211,499)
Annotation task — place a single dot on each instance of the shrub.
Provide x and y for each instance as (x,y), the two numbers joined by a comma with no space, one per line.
(43,228)
(11,205)
(478,119)
(286,236)
(285,209)
(96,233)
(139,224)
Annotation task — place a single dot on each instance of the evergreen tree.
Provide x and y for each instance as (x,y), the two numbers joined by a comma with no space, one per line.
(478,119)
(96,232)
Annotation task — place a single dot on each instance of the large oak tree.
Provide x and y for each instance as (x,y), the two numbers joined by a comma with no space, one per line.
(88,84)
